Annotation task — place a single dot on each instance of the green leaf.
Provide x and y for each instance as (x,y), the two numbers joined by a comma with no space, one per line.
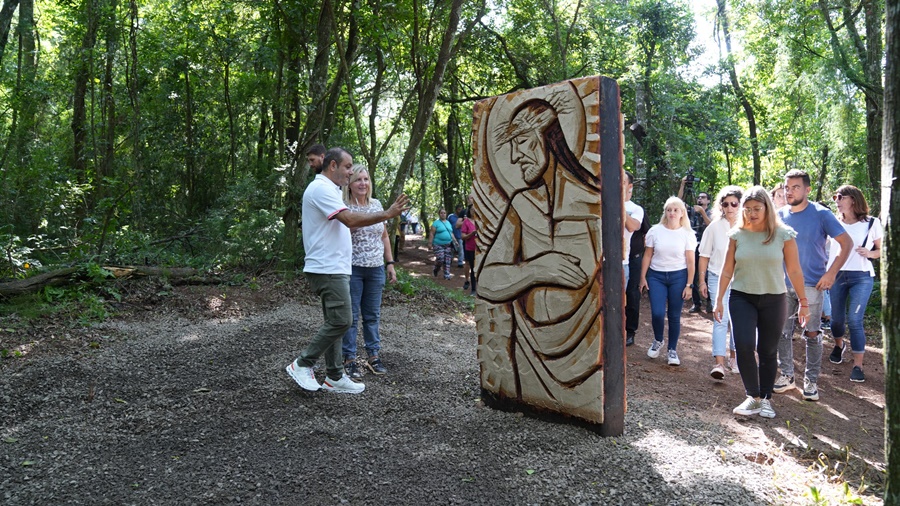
(529,472)
(27,463)
(10,440)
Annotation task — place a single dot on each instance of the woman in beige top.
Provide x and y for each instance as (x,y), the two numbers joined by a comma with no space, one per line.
(758,247)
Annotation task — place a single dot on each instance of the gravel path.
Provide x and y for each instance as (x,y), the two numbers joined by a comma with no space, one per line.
(173,410)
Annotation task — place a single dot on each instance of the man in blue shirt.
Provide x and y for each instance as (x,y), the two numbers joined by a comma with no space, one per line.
(814,224)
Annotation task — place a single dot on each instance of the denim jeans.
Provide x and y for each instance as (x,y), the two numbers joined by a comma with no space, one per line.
(849,298)
(366,287)
(813,344)
(757,321)
(334,292)
(720,329)
(665,297)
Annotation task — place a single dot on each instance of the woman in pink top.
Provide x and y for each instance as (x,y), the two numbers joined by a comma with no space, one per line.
(468,229)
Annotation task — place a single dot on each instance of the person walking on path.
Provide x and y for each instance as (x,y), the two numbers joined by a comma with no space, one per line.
(372,262)
(666,272)
(443,243)
(636,227)
(853,284)
(326,239)
(455,220)
(814,224)
(760,250)
(468,229)
(712,249)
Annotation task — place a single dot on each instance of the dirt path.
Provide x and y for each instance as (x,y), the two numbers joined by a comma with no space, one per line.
(182,399)
(847,424)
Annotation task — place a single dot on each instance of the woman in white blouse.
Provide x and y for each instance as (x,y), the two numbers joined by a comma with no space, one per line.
(713,246)
(372,261)
(668,265)
(853,284)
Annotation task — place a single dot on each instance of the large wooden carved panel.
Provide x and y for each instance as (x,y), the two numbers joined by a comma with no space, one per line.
(539,184)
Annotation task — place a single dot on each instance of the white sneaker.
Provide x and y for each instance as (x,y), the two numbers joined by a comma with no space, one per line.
(750,406)
(765,408)
(345,385)
(732,364)
(653,352)
(303,376)
(810,391)
(673,358)
(783,384)
(718,372)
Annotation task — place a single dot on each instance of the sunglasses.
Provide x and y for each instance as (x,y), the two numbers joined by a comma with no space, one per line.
(837,197)
(732,204)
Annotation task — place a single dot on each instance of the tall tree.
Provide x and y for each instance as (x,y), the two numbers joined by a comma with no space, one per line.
(890,269)
(739,91)
(859,58)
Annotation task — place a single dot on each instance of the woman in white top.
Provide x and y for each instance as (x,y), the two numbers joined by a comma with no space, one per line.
(372,262)
(853,284)
(668,265)
(713,247)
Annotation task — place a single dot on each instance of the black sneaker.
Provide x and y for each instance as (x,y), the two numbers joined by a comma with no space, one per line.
(352,370)
(856,375)
(825,325)
(375,365)
(694,309)
(434,271)
(466,285)
(629,339)
(837,353)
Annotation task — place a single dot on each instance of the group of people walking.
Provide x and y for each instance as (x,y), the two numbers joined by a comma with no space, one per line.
(763,258)
(764,261)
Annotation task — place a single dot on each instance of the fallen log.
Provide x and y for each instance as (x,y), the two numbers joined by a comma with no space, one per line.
(176,275)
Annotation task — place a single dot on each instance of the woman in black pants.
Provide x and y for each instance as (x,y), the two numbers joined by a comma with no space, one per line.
(759,245)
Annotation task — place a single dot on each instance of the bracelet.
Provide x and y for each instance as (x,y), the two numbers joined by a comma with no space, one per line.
(801,305)
(389,262)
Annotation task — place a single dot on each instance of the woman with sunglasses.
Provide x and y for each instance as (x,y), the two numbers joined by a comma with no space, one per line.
(853,284)
(760,250)
(713,247)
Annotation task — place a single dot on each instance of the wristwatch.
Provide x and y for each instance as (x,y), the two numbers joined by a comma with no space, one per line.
(690,286)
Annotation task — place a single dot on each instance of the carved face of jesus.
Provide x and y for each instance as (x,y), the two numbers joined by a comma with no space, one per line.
(527,151)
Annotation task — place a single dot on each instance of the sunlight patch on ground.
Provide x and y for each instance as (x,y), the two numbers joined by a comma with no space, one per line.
(187,338)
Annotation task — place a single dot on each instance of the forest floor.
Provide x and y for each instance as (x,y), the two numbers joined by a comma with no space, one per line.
(182,398)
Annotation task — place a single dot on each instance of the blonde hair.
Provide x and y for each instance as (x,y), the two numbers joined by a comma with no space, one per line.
(685,222)
(357,170)
(760,194)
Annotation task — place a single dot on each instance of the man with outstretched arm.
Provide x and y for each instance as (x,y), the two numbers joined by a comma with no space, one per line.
(326,240)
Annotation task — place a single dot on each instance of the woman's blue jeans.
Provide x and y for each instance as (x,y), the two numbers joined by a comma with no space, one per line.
(366,287)
(849,298)
(665,297)
(720,329)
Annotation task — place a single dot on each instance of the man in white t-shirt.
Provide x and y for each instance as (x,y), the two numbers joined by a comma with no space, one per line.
(634,215)
(326,240)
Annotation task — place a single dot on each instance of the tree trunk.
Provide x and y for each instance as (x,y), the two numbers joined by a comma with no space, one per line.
(26,89)
(299,169)
(105,168)
(890,267)
(232,141)
(83,72)
(739,93)
(823,171)
(133,93)
(6,15)
(189,165)
(427,101)
(867,54)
